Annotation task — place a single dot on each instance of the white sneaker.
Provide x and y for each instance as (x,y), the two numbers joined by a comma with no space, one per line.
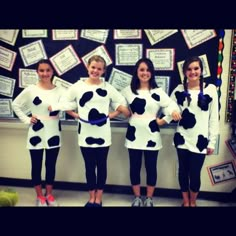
(148,202)
(137,202)
(51,200)
(41,201)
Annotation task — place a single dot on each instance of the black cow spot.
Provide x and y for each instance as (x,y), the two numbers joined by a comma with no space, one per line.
(59,125)
(151,143)
(130,134)
(101,92)
(95,115)
(91,140)
(37,101)
(54,141)
(180,97)
(53,113)
(79,128)
(188,119)
(35,140)
(202,142)
(156,97)
(85,98)
(39,125)
(154,126)
(178,139)
(204,101)
(138,105)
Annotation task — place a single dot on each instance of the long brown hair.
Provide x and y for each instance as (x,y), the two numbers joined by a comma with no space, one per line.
(185,68)
(135,83)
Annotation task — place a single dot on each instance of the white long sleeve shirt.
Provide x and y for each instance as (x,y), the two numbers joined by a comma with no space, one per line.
(93,103)
(199,127)
(46,133)
(143,131)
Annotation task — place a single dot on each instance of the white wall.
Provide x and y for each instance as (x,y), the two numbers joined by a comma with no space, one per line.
(15,160)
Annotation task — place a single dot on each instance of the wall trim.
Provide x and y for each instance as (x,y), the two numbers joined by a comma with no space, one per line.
(122,189)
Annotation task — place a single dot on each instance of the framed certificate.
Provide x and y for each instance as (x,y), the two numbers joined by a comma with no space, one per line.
(101,51)
(65,34)
(35,33)
(7,58)
(65,60)
(6,108)
(195,37)
(7,86)
(9,36)
(61,83)
(32,53)
(155,36)
(27,77)
(95,35)
(162,58)
(163,82)
(222,172)
(127,34)
(128,54)
(119,79)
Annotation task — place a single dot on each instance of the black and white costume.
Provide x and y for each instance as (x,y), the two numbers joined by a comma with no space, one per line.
(93,103)
(143,132)
(46,133)
(199,127)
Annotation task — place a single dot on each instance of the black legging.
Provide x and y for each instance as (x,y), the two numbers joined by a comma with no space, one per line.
(190,165)
(50,165)
(150,158)
(95,157)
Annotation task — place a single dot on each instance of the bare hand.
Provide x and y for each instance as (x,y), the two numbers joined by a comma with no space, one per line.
(33,119)
(176,116)
(210,151)
(160,122)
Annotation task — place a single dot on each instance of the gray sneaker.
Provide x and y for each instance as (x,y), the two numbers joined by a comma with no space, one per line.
(41,202)
(148,202)
(137,202)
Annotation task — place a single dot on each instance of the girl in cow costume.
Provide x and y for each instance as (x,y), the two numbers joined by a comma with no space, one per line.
(197,131)
(93,97)
(44,129)
(145,99)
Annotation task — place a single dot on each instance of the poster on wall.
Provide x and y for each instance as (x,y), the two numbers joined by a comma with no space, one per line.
(34,33)
(6,108)
(7,58)
(195,37)
(33,52)
(65,60)
(9,36)
(222,172)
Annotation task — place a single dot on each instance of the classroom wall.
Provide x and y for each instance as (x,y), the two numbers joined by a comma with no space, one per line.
(15,159)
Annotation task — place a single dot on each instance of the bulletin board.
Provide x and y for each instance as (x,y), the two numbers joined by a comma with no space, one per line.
(70,49)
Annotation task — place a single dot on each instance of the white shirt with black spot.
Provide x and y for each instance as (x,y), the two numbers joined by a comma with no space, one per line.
(92,135)
(50,126)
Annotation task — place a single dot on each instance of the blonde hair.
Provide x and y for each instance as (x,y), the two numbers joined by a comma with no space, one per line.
(97,58)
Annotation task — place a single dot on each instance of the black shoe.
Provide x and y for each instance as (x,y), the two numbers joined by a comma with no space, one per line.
(89,204)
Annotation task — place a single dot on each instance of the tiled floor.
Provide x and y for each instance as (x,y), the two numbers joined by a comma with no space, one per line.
(68,198)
